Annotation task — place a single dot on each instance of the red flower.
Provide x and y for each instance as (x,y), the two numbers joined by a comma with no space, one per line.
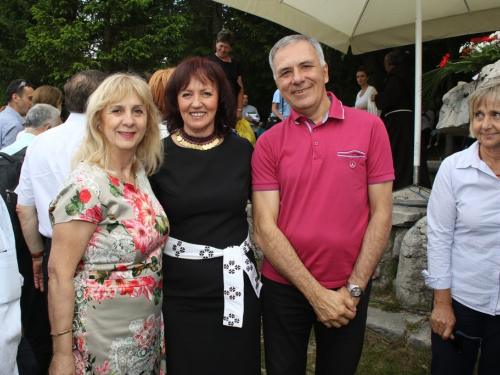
(114,181)
(84,196)
(444,61)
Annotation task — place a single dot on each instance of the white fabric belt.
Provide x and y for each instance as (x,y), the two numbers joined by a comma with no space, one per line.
(397,110)
(235,262)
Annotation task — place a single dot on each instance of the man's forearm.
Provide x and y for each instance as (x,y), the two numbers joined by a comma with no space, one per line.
(29,224)
(374,241)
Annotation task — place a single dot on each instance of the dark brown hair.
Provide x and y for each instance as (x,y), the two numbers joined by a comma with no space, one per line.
(204,71)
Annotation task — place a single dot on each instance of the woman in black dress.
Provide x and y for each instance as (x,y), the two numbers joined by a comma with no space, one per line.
(211,286)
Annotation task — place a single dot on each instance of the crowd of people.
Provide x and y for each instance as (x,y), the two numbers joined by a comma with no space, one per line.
(135,248)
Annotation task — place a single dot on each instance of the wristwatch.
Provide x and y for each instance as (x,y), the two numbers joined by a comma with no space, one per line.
(355,290)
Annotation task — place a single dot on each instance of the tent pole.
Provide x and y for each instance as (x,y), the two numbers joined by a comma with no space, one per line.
(418,91)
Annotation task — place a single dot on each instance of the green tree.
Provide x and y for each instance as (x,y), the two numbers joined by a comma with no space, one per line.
(127,35)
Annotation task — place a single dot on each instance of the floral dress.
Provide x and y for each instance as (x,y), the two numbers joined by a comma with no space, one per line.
(117,321)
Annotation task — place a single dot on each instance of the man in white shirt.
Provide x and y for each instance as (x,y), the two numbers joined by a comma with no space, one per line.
(250,114)
(45,168)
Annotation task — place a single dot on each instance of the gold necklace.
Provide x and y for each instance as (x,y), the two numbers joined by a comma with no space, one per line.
(197,143)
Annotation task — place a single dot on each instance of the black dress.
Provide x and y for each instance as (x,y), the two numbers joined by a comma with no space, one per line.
(204,194)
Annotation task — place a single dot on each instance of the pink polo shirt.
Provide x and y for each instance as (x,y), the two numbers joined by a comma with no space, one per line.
(322,173)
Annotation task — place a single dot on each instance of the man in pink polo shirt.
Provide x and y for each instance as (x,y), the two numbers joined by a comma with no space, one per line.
(322,208)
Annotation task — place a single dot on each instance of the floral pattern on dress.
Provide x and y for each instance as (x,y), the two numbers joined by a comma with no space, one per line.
(118,282)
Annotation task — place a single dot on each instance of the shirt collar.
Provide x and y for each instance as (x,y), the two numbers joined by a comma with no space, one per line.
(336,111)
(470,157)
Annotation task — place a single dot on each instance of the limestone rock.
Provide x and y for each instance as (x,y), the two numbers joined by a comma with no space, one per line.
(410,286)
(421,338)
(386,324)
(398,240)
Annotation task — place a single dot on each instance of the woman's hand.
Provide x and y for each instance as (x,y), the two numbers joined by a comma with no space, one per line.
(443,318)
(239,114)
(62,365)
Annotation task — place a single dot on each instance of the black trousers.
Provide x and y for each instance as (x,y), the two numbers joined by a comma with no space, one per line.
(445,360)
(288,318)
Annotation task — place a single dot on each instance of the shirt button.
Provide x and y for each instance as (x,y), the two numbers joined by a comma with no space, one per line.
(315,143)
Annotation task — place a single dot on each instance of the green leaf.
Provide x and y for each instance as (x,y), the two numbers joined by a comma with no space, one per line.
(111,227)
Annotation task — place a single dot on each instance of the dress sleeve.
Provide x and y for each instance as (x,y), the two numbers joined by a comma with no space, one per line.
(78,199)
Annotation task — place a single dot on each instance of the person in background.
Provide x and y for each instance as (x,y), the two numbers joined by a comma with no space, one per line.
(307,174)
(45,168)
(210,282)
(105,267)
(427,123)
(396,102)
(157,84)
(462,248)
(223,47)
(250,114)
(10,294)
(363,99)
(19,101)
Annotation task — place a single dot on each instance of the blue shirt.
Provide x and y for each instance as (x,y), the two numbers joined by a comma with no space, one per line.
(11,123)
(463,232)
(24,140)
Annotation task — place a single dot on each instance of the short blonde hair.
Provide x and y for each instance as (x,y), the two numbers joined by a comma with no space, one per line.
(157,84)
(95,147)
(488,91)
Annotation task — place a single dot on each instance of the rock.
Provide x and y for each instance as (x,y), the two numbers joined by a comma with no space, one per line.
(421,338)
(405,216)
(410,286)
(398,240)
(413,319)
(386,324)
(454,114)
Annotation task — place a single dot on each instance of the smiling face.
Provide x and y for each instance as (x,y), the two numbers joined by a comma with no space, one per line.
(301,79)
(362,78)
(223,49)
(198,106)
(486,124)
(123,125)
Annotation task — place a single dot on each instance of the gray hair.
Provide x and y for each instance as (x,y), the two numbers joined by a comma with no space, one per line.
(292,39)
(40,115)
(489,91)
(393,58)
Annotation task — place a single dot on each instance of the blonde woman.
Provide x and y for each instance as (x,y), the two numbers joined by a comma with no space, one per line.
(157,85)
(105,267)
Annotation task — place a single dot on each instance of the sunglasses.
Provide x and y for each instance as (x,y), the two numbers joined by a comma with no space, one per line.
(24,83)
(457,342)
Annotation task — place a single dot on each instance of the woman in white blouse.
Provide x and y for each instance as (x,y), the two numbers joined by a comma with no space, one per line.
(464,247)
(363,101)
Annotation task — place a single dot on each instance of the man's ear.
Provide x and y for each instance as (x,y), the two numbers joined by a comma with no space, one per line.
(325,70)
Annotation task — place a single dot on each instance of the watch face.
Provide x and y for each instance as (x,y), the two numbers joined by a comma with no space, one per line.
(356,291)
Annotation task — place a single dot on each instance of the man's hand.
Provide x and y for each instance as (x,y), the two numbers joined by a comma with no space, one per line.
(38,274)
(334,308)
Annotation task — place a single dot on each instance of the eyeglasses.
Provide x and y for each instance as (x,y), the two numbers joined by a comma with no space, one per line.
(457,342)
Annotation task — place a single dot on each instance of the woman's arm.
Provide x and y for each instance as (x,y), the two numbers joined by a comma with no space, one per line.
(240,98)
(69,243)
